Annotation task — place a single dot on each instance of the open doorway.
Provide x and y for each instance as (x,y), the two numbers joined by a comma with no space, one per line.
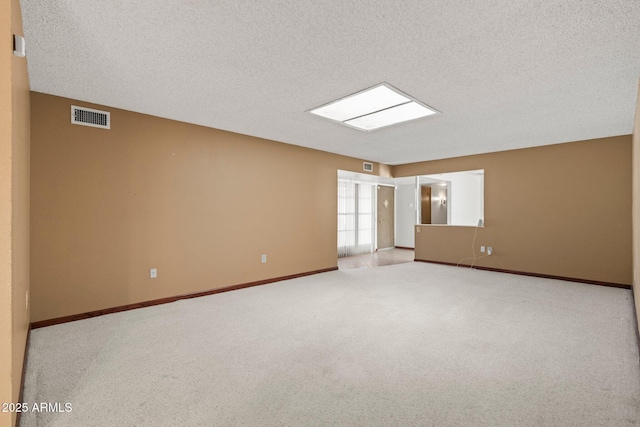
(433,206)
(425,204)
(355,248)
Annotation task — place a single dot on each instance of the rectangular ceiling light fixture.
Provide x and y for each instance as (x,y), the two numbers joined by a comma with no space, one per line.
(374,108)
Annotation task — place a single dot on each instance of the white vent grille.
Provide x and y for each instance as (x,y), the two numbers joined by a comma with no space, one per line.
(89,117)
(367,167)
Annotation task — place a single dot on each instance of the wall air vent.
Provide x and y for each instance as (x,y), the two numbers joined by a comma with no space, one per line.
(367,167)
(89,117)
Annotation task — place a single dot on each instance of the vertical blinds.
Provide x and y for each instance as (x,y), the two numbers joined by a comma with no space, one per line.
(356,218)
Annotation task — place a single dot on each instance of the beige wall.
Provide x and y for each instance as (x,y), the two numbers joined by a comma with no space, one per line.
(201,205)
(6,344)
(636,207)
(562,210)
(14,208)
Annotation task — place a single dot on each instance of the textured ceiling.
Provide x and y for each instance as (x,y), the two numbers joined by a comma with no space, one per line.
(505,74)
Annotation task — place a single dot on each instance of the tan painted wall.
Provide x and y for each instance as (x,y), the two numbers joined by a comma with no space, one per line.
(636,207)
(14,208)
(20,206)
(562,210)
(201,205)
(6,344)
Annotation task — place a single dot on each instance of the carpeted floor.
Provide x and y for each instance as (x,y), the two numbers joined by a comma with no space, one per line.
(404,345)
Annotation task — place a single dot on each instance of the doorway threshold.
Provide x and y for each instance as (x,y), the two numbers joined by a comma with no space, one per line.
(382,257)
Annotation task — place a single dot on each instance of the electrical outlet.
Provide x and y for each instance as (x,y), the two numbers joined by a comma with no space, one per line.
(153,273)
(490,250)
(264,258)
(482,249)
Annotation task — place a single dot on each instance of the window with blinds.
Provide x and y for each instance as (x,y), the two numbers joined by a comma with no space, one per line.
(356,218)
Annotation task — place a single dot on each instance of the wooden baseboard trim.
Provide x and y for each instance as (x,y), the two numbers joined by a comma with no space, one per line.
(24,373)
(404,247)
(80,316)
(525,273)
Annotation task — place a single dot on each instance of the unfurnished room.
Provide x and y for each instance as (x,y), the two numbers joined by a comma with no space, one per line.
(313,213)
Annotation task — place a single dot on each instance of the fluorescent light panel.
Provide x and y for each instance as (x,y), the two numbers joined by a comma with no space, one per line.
(374,108)
(366,102)
(390,116)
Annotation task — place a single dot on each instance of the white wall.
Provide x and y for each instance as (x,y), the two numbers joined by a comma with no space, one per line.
(405,214)
(466,198)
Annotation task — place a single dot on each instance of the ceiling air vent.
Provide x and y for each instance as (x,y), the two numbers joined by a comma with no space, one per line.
(89,117)
(367,167)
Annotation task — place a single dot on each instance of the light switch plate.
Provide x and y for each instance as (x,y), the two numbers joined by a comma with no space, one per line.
(19,46)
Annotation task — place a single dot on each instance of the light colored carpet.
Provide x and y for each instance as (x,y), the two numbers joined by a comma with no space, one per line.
(403,345)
